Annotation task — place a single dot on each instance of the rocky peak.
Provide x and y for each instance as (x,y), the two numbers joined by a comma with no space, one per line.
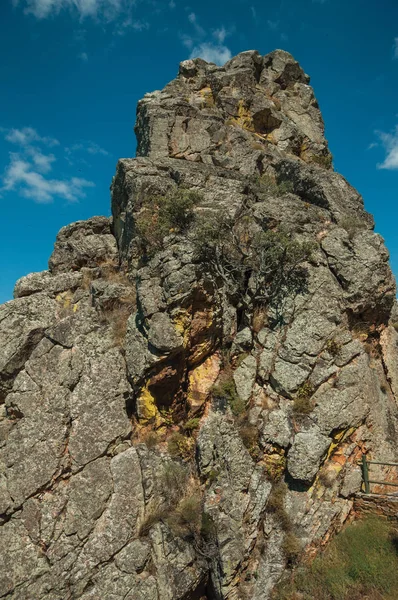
(185,394)
(244,115)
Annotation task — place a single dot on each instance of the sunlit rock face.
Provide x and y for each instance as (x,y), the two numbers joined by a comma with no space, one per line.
(186,392)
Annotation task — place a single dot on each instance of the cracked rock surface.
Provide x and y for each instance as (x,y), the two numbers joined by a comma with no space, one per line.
(162,433)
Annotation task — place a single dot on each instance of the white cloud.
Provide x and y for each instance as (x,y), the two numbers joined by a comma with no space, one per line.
(211,53)
(27,170)
(211,46)
(220,34)
(19,175)
(390,143)
(43,162)
(273,25)
(26,136)
(254,12)
(83,56)
(395,48)
(108,11)
(89,147)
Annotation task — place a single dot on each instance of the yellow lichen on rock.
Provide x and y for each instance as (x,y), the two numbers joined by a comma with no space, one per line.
(202,379)
(146,407)
(181,323)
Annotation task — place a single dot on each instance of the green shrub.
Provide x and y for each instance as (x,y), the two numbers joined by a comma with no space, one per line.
(249,435)
(333,347)
(325,161)
(180,447)
(361,562)
(274,466)
(291,547)
(174,480)
(225,390)
(353,225)
(276,505)
(208,528)
(192,424)
(302,404)
(269,185)
(236,250)
(186,519)
(151,439)
(162,215)
(155,514)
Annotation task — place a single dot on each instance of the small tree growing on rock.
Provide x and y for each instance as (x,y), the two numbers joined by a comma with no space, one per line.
(256,265)
(163,215)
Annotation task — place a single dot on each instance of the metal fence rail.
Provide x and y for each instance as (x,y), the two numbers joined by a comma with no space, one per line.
(365,473)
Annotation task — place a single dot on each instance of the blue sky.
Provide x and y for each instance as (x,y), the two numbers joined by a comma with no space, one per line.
(72,71)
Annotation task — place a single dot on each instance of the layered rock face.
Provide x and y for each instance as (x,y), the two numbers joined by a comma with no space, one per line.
(185,394)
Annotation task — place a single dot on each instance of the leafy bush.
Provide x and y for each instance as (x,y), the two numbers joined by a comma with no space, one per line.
(276,505)
(156,513)
(180,446)
(352,225)
(237,251)
(333,347)
(291,547)
(225,390)
(151,439)
(249,435)
(174,479)
(162,215)
(325,161)
(186,519)
(302,404)
(192,424)
(361,562)
(274,466)
(269,185)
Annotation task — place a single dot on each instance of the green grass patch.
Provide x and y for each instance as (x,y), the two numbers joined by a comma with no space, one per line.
(360,563)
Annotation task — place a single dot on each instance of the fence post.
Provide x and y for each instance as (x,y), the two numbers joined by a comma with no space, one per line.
(365,474)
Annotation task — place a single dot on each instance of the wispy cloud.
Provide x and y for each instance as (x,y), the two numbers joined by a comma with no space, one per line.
(83,56)
(217,54)
(32,184)
(209,46)
(273,25)
(390,144)
(395,48)
(89,147)
(26,136)
(28,169)
(101,11)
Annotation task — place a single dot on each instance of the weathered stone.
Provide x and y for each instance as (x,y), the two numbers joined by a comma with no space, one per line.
(83,244)
(245,377)
(306,453)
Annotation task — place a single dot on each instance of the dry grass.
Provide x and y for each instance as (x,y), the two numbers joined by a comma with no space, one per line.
(260,318)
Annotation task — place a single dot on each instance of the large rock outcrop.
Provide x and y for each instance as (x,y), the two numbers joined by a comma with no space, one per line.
(186,393)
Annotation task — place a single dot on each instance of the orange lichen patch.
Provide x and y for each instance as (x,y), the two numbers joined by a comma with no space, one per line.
(202,379)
